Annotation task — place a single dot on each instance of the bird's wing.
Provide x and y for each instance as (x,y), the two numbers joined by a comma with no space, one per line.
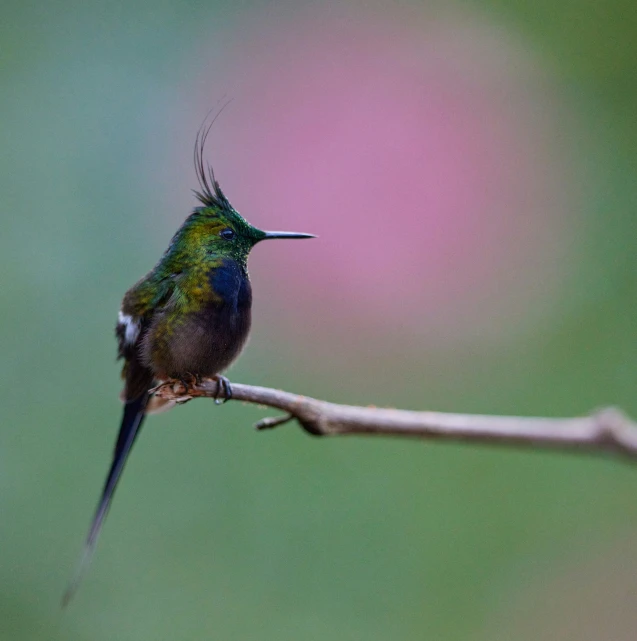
(139,306)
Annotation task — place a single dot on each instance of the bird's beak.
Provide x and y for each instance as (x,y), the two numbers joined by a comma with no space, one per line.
(285,234)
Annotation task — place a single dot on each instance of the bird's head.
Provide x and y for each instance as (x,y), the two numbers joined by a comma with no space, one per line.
(219,230)
(215,228)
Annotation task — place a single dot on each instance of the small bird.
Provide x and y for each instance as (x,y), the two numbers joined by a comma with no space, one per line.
(188,318)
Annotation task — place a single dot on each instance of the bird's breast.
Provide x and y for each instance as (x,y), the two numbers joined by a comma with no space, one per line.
(203,334)
(230,286)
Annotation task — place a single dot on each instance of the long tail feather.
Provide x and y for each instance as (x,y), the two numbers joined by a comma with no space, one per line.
(134,412)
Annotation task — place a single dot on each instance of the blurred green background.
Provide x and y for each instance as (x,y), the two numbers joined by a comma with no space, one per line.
(219,532)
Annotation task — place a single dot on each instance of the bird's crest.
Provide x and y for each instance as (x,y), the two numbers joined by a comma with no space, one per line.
(209,193)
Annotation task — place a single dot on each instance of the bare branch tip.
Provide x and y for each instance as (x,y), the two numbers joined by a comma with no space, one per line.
(270,422)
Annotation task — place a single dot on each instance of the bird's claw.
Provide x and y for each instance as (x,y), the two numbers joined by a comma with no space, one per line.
(158,389)
(224,390)
(175,387)
(184,388)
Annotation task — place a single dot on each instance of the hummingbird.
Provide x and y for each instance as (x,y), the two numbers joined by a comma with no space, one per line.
(187,319)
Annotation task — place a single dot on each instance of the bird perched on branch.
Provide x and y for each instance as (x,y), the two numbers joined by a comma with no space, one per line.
(189,317)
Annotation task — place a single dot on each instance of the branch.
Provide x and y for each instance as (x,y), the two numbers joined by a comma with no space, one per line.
(606,430)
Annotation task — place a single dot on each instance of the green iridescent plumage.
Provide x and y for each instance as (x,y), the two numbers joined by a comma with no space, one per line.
(189,316)
(183,282)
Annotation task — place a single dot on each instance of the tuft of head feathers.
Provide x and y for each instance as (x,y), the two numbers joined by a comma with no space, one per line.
(209,193)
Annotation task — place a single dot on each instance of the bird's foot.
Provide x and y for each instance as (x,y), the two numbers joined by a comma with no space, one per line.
(177,389)
(224,391)
(185,387)
(187,381)
(162,388)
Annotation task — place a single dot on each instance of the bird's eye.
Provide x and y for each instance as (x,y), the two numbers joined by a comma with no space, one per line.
(228,234)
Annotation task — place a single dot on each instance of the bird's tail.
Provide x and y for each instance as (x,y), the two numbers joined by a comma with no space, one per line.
(134,413)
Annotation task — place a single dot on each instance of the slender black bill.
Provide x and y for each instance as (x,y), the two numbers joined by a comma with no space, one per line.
(134,412)
(286,234)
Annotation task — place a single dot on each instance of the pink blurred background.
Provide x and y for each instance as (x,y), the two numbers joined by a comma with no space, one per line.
(424,153)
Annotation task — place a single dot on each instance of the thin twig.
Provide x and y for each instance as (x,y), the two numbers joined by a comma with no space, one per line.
(606,430)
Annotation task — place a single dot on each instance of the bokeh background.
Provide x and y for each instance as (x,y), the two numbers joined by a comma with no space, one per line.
(470,170)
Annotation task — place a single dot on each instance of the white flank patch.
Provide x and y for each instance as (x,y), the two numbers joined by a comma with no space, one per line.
(131,325)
